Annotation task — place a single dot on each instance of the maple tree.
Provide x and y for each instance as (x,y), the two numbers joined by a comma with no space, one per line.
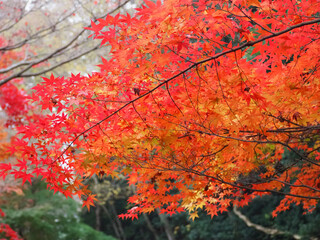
(196,105)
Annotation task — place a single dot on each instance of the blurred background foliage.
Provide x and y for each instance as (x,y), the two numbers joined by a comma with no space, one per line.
(36,214)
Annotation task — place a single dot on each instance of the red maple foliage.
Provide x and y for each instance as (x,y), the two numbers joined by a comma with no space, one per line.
(14,102)
(196,104)
(6,231)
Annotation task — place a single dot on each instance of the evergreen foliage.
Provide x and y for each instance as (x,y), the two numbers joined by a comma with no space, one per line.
(40,215)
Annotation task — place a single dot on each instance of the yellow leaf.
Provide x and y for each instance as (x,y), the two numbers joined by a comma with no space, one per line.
(193,215)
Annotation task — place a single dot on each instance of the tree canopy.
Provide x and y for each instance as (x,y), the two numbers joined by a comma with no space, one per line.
(196,104)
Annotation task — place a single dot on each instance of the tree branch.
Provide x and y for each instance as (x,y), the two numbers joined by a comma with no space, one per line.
(268,231)
(49,56)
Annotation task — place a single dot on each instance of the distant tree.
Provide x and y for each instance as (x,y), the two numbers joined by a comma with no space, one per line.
(47,34)
(37,214)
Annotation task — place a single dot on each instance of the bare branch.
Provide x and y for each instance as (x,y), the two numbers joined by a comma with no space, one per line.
(38,35)
(268,231)
(60,63)
(30,64)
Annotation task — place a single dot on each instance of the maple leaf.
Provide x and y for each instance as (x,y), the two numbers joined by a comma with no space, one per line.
(193,215)
(89,201)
